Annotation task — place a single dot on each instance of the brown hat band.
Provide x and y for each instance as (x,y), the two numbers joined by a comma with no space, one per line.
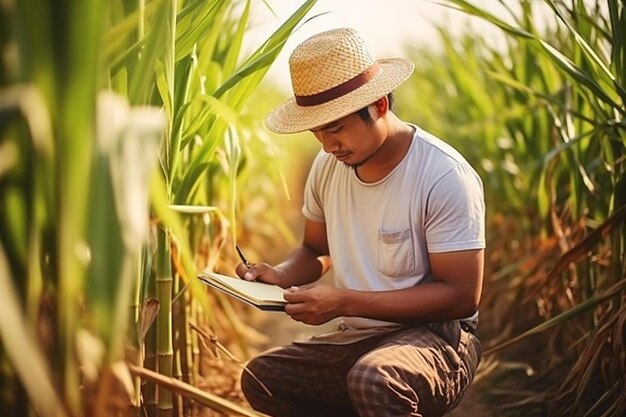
(339,90)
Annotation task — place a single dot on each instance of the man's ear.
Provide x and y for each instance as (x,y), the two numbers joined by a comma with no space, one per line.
(381,106)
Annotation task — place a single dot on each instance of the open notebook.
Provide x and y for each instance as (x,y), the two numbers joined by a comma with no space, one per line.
(261,295)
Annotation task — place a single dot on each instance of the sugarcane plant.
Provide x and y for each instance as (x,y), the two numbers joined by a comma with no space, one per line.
(202,89)
(115,118)
(541,116)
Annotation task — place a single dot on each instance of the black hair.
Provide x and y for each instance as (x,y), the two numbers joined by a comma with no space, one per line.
(364,113)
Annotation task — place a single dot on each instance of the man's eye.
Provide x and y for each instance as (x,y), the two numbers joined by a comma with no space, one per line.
(335,129)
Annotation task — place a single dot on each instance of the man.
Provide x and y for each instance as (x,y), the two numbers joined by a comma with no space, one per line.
(401,216)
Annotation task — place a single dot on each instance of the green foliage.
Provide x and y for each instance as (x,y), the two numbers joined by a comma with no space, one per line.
(542,119)
(79,178)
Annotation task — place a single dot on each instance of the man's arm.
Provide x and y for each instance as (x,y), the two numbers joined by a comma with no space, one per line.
(304,265)
(454,293)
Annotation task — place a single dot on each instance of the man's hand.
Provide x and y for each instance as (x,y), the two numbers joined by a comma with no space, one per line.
(258,272)
(313,304)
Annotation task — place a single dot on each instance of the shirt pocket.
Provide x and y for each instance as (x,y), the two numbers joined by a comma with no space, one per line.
(396,253)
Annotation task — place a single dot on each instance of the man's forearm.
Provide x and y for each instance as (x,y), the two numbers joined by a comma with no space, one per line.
(432,302)
(302,266)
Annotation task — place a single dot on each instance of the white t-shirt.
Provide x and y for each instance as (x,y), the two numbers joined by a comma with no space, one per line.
(380,234)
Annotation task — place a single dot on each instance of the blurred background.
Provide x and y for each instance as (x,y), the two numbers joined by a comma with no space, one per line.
(133,156)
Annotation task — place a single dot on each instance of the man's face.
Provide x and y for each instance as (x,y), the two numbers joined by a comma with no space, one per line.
(350,139)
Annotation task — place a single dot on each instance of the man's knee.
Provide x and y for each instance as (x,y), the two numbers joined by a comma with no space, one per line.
(386,389)
(370,383)
(365,377)
(251,386)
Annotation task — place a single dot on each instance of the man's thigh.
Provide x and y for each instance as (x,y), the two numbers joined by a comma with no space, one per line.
(415,372)
(303,374)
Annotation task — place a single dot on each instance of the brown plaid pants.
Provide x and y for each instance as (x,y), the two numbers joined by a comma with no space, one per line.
(416,371)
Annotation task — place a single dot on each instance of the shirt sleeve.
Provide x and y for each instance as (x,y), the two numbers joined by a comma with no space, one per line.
(455,212)
(313,208)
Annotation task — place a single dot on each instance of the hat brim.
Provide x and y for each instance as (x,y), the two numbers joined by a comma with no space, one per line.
(289,117)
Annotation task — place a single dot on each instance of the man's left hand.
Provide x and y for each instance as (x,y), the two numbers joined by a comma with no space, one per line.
(314,303)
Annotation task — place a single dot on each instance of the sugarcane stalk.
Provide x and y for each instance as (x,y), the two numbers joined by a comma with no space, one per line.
(195,346)
(134,351)
(165,352)
(183,343)
(177,325)
(188,348)
(150,346)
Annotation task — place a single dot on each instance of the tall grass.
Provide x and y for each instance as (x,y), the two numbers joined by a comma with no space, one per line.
(123,131)
(542,118)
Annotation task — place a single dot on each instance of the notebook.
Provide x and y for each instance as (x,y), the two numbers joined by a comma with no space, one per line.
(263,296)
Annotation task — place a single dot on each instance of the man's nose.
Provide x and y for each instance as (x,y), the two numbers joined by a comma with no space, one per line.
(328,143)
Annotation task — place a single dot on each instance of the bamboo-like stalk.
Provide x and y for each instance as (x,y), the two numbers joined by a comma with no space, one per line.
(150,362)
(165,353)
(164,281)
(149,391)
(184,338)
(134,350)
(192,358)
(190,343)
(177,339)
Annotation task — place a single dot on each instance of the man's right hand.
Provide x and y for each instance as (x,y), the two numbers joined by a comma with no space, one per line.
(258,272)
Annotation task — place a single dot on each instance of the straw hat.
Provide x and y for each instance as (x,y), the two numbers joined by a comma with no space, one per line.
(333,74)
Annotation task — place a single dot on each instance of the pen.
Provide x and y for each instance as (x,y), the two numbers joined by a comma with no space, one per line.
(243,258)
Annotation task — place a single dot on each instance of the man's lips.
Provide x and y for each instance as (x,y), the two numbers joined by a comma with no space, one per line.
(342,156)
